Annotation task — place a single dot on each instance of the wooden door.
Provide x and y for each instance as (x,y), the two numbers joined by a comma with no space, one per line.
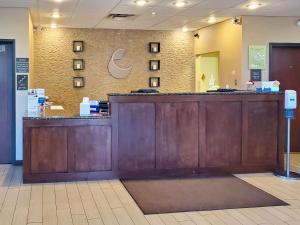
(136,134)
(6,102)
(48,150)
(89,148)
(285,67)
(176,135)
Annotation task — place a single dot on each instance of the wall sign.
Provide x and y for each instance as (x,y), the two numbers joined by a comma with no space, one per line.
(22,65)
(255,75)
(116,71)
(22,82)
(257,57)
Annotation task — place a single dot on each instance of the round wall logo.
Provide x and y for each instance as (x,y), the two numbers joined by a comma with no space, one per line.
(116,71)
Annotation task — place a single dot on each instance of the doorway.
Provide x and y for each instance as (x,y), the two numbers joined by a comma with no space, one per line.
(285,67)
(7,101)
(207,71)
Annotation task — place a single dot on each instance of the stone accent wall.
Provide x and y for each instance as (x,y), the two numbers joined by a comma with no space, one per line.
(53,57)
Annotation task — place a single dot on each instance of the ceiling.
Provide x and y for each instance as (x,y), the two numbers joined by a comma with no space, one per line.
(93,13)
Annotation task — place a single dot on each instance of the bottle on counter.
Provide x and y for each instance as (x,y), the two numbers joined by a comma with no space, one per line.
(85,107)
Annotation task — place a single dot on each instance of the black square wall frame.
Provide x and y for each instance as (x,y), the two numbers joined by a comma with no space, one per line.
(78,64)
(78,46)
(154,47)
(154,65)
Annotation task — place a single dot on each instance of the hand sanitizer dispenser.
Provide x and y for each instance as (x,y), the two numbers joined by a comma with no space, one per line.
(85,107)
(290,104)
(290,101)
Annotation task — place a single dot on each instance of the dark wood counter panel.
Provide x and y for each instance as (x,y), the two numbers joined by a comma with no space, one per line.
(157,135)
(235,132)
(66,149)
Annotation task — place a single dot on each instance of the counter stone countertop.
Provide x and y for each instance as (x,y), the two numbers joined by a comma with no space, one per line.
(196,93)
(60,114)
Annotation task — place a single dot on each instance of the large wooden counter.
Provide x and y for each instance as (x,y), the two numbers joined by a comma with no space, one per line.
(235,132)
(160,134)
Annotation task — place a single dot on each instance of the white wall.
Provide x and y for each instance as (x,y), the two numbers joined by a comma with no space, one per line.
(14,24)
(263,30)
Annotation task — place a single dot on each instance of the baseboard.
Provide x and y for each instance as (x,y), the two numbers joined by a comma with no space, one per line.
(18,163)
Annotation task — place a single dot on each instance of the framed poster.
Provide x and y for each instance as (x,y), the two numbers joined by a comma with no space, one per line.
(257,57)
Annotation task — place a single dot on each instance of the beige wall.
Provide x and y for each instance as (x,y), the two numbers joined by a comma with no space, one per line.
(53,62)
(262,31)
(14,23)
(225,38)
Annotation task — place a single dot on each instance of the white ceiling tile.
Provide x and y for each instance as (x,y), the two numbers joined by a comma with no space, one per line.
(128,9)
(170,4)
(64,6)
(93,13)
(18,3)
(133,4)
(175,22)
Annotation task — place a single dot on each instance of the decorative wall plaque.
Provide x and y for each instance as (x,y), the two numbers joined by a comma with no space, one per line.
(154,65)
(154,82)
(78,64)
(116,71)
(78,46)
(154,47)
(78,82)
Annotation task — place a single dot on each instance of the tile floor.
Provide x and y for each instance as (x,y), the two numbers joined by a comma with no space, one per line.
(108,203)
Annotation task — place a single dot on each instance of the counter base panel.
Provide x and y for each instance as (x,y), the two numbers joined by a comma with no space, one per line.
(159,136)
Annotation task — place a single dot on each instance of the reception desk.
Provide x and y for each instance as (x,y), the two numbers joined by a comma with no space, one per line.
(159,135)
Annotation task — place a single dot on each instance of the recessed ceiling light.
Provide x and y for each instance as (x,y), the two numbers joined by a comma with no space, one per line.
(141,2)
(180,4)
(153,13)
(253,5)
(184,29)
(53,25)
(212,19)
(56,15)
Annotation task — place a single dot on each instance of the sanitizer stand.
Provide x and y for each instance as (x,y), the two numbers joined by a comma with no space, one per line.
(290,106)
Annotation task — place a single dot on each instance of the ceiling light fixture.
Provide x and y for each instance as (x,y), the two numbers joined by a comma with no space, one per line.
(180,4)
(153,13)
(212,19)
(141,2)
(56,15)
(253,5)
(53,26)
(184,29)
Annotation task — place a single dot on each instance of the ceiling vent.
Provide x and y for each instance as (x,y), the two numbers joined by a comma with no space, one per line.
(117,16)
